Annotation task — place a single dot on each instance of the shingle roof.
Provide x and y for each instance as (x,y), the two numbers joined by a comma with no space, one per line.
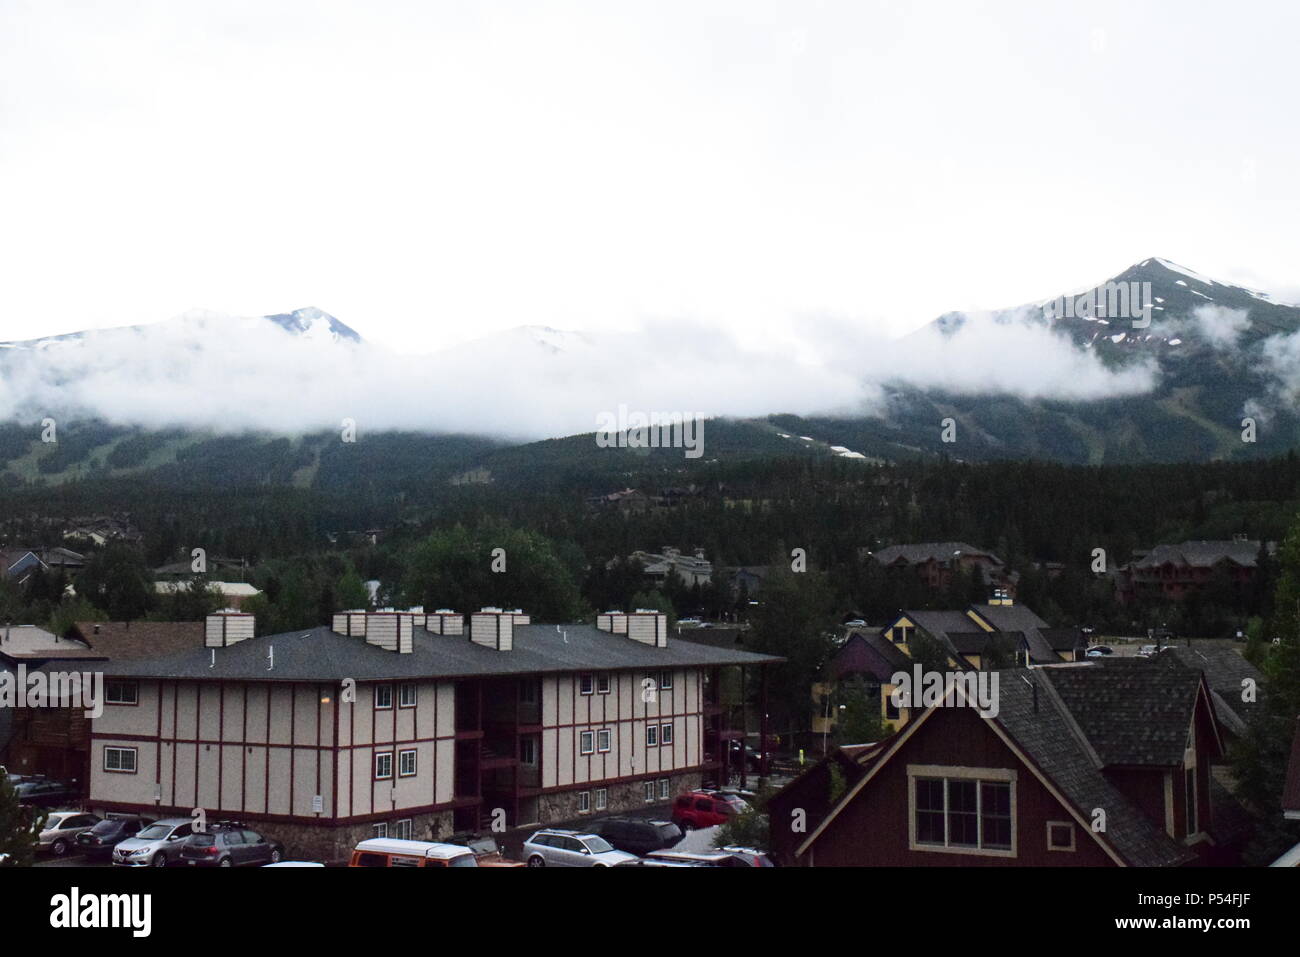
(319,654)
(869,652)
(1021,618)
(928,551)
(1053,743)
(1200,554)
(139,640)
(1134,711)
(1224,670)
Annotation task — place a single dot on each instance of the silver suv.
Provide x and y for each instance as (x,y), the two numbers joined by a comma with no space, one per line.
(157,845)
(554,847)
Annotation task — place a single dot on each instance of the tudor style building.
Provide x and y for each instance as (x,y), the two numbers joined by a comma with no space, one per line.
(411,724)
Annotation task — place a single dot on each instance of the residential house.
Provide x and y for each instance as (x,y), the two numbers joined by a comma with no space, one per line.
(1090,764)
(233,594)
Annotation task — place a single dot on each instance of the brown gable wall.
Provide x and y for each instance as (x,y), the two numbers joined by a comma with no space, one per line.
(873,829)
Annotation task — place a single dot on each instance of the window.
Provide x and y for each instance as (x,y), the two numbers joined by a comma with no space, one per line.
(1060,836)
(528,751)
(602,684)
(383,696)
(962,811)
(665,734)
(406,763)
(586,742)
(407,694)
(666,680)
(586,684)
(1191,801)
(584,802)
(121,692)
(381,830)
(663,788)
(902,634)
(651,736)
(119,760)
(602,740)
(383,765)
(602,799)
(649,792)
(529,690)
(405,828)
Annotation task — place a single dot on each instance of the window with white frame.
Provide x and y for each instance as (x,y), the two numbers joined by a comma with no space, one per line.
(404,829)
(962,809)
(586,684)
(602,683)
(121,692)
(602,799)
(666,680)
(383,696)
(380,829)
(407,694)
(1060,836)
(649,792)
(602,740)
(406,763)
(652,736)
(664,785)
(584,802)
(120,760)
(587,742)
(383,765)
(665,734)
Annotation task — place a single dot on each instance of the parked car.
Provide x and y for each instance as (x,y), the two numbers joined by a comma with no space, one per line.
(486,850)
(753,758)
(554,847)
(706,808)
(397,852)
(157,845)
(751,856)
(718,858)
(1148,651)
(61,830)
(45,792)
(1100,651)
(229,845)
(100,840)
(637,835)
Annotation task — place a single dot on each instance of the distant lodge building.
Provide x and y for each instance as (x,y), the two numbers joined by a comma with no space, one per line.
(1173,572)
(935,563)
(692,569)
(1101,763)
(404,723)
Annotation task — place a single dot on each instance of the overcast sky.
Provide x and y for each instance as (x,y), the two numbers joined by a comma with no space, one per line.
(430,172)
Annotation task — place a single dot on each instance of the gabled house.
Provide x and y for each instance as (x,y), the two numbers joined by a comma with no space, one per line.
(1082,765)
(19,564)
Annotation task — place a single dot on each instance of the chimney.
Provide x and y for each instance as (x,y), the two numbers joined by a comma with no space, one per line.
(351,623)
(646,625)
(492,628)
(615,622)
(444,621)
(226,627)
(389,630)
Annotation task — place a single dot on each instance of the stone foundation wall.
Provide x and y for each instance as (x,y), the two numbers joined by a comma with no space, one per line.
(562,806)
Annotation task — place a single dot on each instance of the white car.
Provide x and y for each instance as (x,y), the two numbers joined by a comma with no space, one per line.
(554,847)
(157,845)
(61,830)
